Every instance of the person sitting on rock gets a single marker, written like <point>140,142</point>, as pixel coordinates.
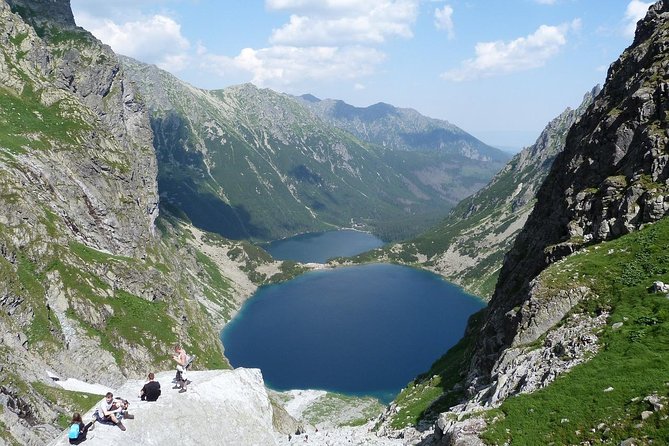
<point>107,411</point>
<point>181,358</point>
<point>78,431</point>
<point>151,390</point>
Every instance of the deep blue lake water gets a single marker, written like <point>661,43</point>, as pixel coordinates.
<point>321,246</point>
<point>362,330</point>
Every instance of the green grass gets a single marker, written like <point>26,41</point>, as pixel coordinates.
<point>140,322</point>
<point>633,359</point>
<point>25,122</point>
<point>67,402</point>
<point>91,255</point>
<point>213,274</point>
<point>43,324</point>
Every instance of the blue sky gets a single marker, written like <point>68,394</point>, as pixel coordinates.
<point>498,69</point>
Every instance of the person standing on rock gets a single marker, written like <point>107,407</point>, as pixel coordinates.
<point>181,358</point>
<point>151,390</point>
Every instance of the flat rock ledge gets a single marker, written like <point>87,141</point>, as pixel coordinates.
<point>228,407</point>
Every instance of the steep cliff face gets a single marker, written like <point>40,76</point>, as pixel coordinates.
<point>611,179</point>
<point>94,165</point>
<point>93,284</point>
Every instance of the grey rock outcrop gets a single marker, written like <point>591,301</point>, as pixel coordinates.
<point>220,407</point>
<point>45,12</point>
<point>611,179</point>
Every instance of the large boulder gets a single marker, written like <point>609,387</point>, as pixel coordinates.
<point>229,407</point>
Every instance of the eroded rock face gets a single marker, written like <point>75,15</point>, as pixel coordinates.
<point>611,179</point>
<point>98,172</point>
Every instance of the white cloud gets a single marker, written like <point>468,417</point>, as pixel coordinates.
<point>324,40</point>
<point>338,22</point>
<point>156,39</point>
<point>443,19</point>
<point>636,10</point>
<point>546,2</point>
<point>285,65</point>
<point>524,53</point>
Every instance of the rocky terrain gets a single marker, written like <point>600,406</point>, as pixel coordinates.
<point>101,276</point>
<point>95,283</point>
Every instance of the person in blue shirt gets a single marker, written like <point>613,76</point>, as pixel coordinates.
<point>78,431</point>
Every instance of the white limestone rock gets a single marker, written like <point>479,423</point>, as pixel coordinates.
<point>229,407</point>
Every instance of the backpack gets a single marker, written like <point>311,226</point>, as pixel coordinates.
<point>74,431</point>
<point>189,360</point>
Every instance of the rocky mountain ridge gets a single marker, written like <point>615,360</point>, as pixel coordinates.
<point>468,247</point>
<point>402,129</point>
<point>611,179</point>
<point>266,166</point>
<point>95,283</point>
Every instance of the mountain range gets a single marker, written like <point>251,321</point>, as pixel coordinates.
<point>119,184</point>
<point>246,162</point>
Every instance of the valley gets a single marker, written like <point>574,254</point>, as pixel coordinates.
<point>138,211</point>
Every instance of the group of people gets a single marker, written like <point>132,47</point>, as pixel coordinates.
<point>113,411</point>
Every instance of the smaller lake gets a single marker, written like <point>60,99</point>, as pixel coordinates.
<point>363,330</point>
<point>321,246</point>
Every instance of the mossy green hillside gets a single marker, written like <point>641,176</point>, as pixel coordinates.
<point>601,401</point>
<point>67,402</point>
<point>25,122</point>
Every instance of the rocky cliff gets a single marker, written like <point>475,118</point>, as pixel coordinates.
<point>94,284</point>
<point>611,179</point>
<point>577,293</point>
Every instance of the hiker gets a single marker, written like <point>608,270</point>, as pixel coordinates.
<point>78,431</point>
<point>151,390</point>
<point>107,412</point>
<point>181,358</point>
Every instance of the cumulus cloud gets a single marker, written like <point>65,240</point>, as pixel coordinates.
<point>636,10</point>
<point>443,19</point>
<point>523,53</point>
<point>324,40</point>
<point>340,22</point>
<point>156,39</point>
<point>285,65</point>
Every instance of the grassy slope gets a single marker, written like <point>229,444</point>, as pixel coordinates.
<point>633,360</point>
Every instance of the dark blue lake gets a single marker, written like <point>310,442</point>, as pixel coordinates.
<point>321,246</point>
<point>363,330</point>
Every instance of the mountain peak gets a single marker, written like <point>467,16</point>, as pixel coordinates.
<point>310,98</point>
<point>41,12</point>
